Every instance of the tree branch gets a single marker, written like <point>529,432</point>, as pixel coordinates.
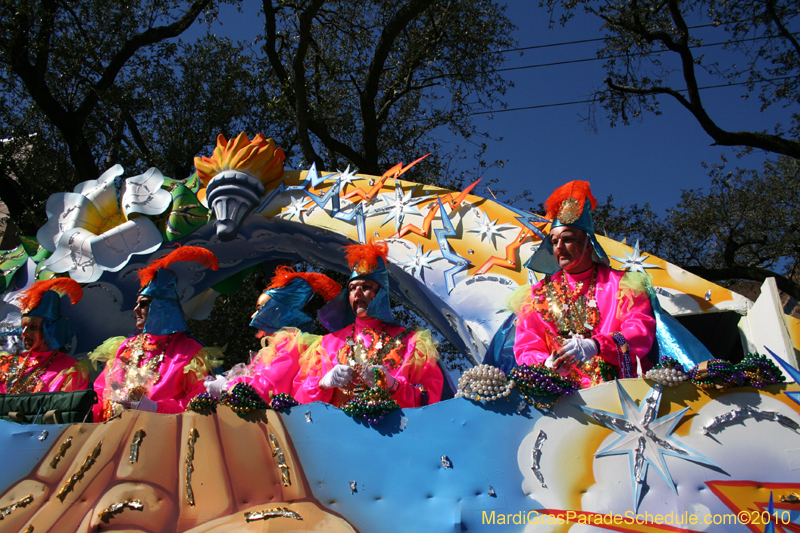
<point>747,273</point>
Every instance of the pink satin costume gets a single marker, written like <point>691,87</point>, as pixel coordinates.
<point>62,374</point>
<point>412,364</point>
<point>624,311</point>
<point>180,374</point>
<point>277,365</point>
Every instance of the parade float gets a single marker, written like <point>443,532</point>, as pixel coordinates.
<point>656,453</point>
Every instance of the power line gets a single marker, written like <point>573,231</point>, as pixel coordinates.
<point>559,104</point>
<point>565,43</point>
<point>568,62</point>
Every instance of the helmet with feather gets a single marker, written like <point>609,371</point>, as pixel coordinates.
<point>570,205</point>
<point>161,284</point>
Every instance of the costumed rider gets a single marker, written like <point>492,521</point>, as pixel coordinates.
<point>161,368</point>
<point>366,349</point>
<point>283,327</point>
<point>43,366</point>
<point>585,320</point>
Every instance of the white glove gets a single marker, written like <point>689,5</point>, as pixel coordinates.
<point>369,376</point>
<point>580,349</point>
<point>145,404</point>
<point>339,376</point>
<point>215,385</point>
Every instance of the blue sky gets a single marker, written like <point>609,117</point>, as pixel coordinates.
<point>648,161</point>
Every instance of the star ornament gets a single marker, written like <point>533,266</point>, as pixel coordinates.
<point>490,228</point>
<point>644,438</point>
<point>418,262</point>
<point>296,209</point>
<point>399,206</point>
<point>635,262</point>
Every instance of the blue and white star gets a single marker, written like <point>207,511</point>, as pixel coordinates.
<point>399,205</point>
<point>644,438</point>
<point>296,209</point>
<point>418,262</point>
<point>635,262</point>
<point>490,228</point>
<point>347,177</point>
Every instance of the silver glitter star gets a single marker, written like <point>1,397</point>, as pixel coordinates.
<point>635,262</point>
<point>418,262</point>
<point>490,228</point>
<point>347,177</point>
<point>644,438</point>
<point>296,209</point>
<point>398,206</point>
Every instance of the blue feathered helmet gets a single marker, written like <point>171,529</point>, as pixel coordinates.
<point>43,300</point>
<point>289,292</point>
<point>161,284</point>
<point>570,205</point>
<point>367,261</point>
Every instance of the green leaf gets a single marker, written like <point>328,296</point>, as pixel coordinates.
<point>186,215</point>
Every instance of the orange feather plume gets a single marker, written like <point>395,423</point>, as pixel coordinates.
<point>363,258</point>
<point>183,253</point>
<point>32,297</point>
<point>580,190</point>
<point>320,283</point>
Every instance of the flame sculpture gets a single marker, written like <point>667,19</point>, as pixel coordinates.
<point>235,176</point>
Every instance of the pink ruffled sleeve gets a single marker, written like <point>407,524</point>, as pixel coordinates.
<point>419,370</point>
<point>530,344</point>
<point>314,363</point>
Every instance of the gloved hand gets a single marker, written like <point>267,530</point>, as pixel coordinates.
<point>368,376</point>
<point>215,385</point>
<point>145,404</point>
<point>579,349</point>
<point>339,376</point>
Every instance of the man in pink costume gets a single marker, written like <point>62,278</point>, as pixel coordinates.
<point>44,367</point>
<point>282,326</point>
<point>161,368</point>
<point>366,350</point>
<point>585,320</point>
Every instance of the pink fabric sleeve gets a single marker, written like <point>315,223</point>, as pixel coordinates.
<point>305,388</point>
<point>637,325</point>
<point>530,345</point>
<point>278,375</point>
<point>418,368</point>
<point>99,388</point>
<point>64,374</point>
<point>182,375</point>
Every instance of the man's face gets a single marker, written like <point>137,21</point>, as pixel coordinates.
<point>261,302</point>
<point>32,334</point>
<point>572,249</point>
<point>362,292</point>
<point>141,310</point>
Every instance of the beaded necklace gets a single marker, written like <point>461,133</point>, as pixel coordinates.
<point>136,373</point>
<point>16,379</point>
<point>568,309</point>
<point>384,349</point>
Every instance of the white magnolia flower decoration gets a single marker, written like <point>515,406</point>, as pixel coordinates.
<point>95,227</point>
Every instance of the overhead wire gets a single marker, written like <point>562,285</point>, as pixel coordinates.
<point>559,104</point>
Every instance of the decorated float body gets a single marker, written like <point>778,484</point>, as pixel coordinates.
<point>628,455</point>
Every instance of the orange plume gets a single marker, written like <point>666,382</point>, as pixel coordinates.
<point>320,283</point>
<point>183,253</point>
<point>363,258</point>
<point>579,190</point>
<point>32,297</point>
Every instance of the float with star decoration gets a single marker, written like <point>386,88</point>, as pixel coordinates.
<point>630,449</point>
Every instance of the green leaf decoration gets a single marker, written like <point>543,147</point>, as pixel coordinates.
<point>231,285</point>
<point>193,183</point>
<point>34,249</point>
<point>10,262</point>
<point>186,215</point>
